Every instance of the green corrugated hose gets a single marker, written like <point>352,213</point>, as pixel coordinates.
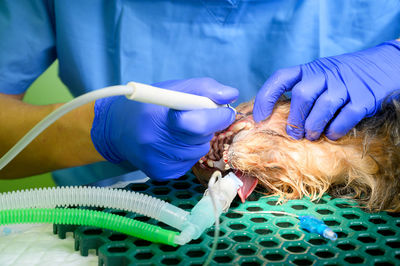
<point>90,218</point>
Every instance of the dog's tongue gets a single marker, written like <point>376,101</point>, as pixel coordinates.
<point>249,184</point>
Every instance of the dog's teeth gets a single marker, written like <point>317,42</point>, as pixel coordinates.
<point>210,163</point>
<point>215,146</point>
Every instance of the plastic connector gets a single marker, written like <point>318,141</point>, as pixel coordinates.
<point>314,225</point>
<point>202,215</point>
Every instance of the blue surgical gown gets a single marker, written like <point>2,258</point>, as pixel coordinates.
<point>237,42</point>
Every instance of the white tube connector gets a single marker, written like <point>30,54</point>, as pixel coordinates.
<point>172,99</point>
<point>203,215</point>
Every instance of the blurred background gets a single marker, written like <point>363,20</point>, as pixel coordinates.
<point>47,89</point>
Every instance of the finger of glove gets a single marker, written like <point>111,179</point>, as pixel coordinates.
<point>304,94</point>
<point>349,117</point>
<point>323,111</point>
<point>326,106</point>
<point>281,81</point>
<point>208,87</point>
<point>198,124</point>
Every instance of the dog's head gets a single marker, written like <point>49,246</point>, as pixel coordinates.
<point>362,165</point>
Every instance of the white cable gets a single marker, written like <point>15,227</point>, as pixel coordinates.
<point>267,212</point>
<point>56,114</point>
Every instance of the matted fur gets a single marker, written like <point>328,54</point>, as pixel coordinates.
<point>363,165</point>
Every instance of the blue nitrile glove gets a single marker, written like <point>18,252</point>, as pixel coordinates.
<point>162,142</point>
<point>333,94</point>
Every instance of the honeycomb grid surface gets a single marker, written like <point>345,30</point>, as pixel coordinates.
<point>251,238</point>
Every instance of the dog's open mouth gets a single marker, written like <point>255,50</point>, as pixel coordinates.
<point>219,156</point>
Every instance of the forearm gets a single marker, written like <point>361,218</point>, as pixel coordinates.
<point>66,143</point>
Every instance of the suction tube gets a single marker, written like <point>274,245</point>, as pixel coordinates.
<point>89,218</point>
<point>96,197</point>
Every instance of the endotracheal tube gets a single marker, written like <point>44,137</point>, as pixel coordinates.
<point>216,200</point>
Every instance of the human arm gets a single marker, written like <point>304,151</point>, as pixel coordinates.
<point>27,48</point>
<point>67,143</point>
<point>333,94</point>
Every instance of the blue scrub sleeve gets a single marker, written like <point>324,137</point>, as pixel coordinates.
<point>27,46</point>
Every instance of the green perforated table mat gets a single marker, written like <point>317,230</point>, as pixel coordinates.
<point>252,238</point>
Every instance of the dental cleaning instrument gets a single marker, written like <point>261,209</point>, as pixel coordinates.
<point>133,91</point>
<point>172,99</point>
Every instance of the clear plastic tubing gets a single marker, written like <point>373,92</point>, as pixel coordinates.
<point>96,197</point>
<point>89,218</point>
<point>52,117</point>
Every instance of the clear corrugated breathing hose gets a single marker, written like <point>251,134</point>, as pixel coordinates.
<point>96,197</point>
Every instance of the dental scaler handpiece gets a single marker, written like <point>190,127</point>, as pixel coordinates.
<point>172,99</point>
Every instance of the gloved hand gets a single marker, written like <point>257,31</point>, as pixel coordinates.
<point>163,143</point>
<point>333,94</point>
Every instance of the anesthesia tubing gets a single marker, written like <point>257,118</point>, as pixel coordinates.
<point>96,197</point>
<point>89,218</point>
<point>23,206</point>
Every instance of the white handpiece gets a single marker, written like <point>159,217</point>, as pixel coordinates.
<point>172,99</point>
